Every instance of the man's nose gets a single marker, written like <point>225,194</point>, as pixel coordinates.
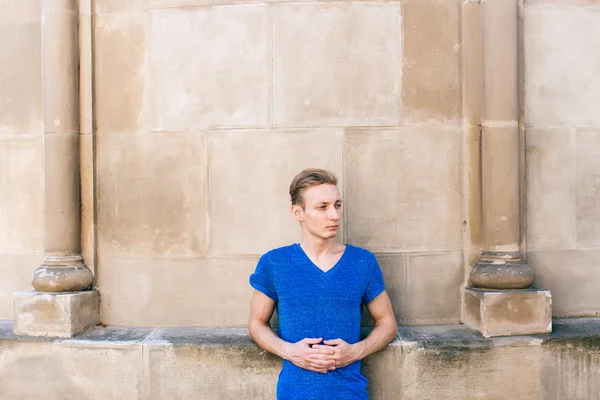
<point>334,214</point>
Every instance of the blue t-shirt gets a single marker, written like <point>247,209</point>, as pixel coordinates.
<point>312,304</point>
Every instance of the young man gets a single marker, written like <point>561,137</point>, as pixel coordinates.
<point>319,287</point>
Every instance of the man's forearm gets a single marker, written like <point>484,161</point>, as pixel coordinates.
<point>264,336</point>
<point>380,336</point>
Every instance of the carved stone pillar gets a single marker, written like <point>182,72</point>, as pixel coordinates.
<point>63,303</point>
<point>500,301</point>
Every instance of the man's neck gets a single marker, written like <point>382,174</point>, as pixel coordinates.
<point>317,247</point>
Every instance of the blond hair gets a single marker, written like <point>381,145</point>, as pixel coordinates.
<point>308,178</point>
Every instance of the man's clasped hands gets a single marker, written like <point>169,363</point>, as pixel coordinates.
<point>318,355</point>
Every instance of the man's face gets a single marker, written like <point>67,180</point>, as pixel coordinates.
<point>322,211</point>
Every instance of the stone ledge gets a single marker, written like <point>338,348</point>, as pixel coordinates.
<point>432,362</point>
<point>567,331</point>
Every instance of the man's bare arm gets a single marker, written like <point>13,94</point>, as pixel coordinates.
<point>384,332</point>
<point>300,353</point>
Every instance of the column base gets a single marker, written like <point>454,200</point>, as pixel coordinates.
<point>507,312</point>
<point>55,314</point>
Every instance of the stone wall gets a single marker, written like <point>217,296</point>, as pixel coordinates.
<point>204,113</point>
<point>563,150</point>
<point>21,150</point>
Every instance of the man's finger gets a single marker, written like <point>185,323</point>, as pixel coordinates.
<point>312,340</point>
<point>322,346</point>
<point>334,342</point>
<point>322,350</point>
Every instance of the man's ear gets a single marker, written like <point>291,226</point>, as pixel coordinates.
<point>297,212</point>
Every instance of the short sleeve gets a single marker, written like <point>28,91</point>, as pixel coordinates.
<point>262,278</point>
<point>375,283</point>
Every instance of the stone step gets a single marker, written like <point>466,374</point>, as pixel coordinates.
<point>424,362</point>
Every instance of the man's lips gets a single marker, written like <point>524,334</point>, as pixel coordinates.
<point>333,226</point>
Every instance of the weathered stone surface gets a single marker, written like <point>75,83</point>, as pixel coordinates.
<point>200,82</point>
<point>125,287</point>
<point>551,187</point>
<point>20,71</point>
<point>201,364</point>
<point>205,292</point>
<point>424,362</point>
<point>21,195</point>
<point>397,179</point>
<point>114,6</point>
<point>431,79</point>
<point>393,267</point>
<point>432,288</point>
<point>16,12</point>
<point>16,271</point>
<point>337,63</point>
<point>58,315</point>
<point>573,278</point>
<point>508,312</point>
<point>70,370</point>
<point>250,174</point>
<point>561,65</point>
<point>588,188</point>
<point>120,72</point>
<point>152,195</point>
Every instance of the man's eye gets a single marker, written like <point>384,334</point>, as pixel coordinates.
<point>338,206</point>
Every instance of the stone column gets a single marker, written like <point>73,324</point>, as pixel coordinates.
<point>63,303</point>
<point>500,301</point>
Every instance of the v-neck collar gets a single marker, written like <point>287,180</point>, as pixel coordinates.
<point>307,259</point>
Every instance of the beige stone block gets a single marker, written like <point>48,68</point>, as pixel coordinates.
<point>588,188</point>
<point>404,189</point>
<point>120,74</point>
<point>208,364</point>
<point>125,288</point>
<point>337,64</point>
<point>393,267</point>
<point>206,292</point>
<point>573,278</point>
<point>115,6</point>
<point>60,59</point>
<point>218,75</point>
<point>551,187</point>
<point>88,217</point>
<point>572,3</point>
<point>21,195</point>
<point>36,370</point>
<point>508,312</point>
<point>20,77</point>
<point>431,82</point>
<point>561,66</point>
<point>152,195</point>
<point>250,174</point>
<point>17,272</point>
<point>462,373</point>
<point>18,12</point>
<point>55,314</point>
<point>433,288</point>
